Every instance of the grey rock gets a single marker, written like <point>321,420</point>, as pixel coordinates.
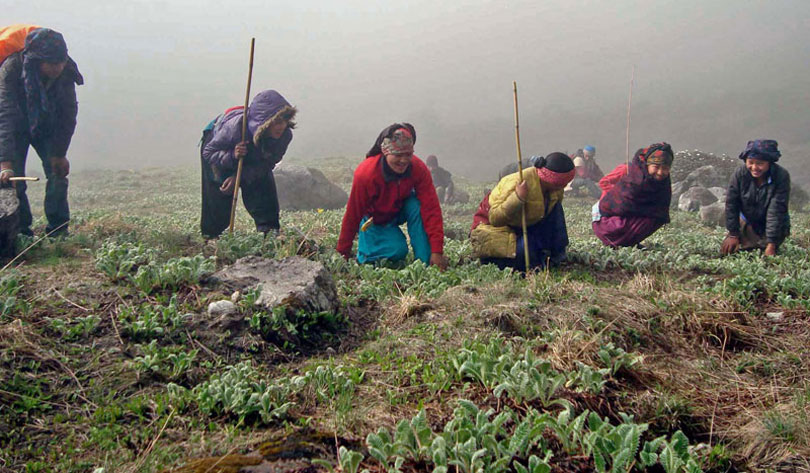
<point>221,308</point>
<point>714,214</point>
<point>706,176</point>
<point>303,188</point>
<point>719,192</point>
<point>294,282</point>
<point>694,198</point>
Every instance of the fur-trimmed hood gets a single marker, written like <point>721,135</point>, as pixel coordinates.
<point>266,107</point>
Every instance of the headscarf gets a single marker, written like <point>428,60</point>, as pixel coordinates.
<point>638,194</point>
<point>42,45</point>
<point>388,132</point>
<point>399,143</point>
<point>765,150</point>
<point>556,169</point>
<point>589,149</point>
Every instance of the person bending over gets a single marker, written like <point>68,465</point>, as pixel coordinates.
<point>269,132</point>
<point>392,186</point>
<point>497,236</point>
<point>757,201</point>
<point>38,108</point>
<point>635,199</point>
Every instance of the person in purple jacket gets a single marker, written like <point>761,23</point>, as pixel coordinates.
<point>269,131</point>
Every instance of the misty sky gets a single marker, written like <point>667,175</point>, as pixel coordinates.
<point>709,74</point>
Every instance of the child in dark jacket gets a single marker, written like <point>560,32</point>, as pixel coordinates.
<point>391,187</point>
<point>269,133</point>
<point>757,201</point>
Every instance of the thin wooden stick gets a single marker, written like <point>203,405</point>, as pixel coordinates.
<point>23,178</point>
<point>520,179</point>
<point>629,102</point>
<point>244,135</point>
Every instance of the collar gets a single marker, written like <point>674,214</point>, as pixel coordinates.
<point>389,175</point>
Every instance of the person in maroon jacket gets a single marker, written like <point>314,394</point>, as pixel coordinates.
<point>391,187</point>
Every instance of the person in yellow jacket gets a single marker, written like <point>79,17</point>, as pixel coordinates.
<point>496,235</point>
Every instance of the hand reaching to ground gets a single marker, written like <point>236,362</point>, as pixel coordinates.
<point>438,260</point>
<point>730,245</point>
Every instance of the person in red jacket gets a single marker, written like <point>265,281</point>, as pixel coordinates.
<point>391,187</point>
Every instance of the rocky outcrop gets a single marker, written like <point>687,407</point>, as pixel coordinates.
<point>714,214</point>
<point>695,198</point>
<point>294,282</point>
<point>303,188</point>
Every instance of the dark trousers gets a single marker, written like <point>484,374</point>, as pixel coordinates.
<point>57,210</point>
<point>548,240</point>
<point>259,196</point>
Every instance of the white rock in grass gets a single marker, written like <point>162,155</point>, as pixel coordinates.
<point>220,308</point>
<point>775,316</point>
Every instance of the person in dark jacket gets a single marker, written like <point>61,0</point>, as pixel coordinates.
<point>442,180</point>
<point>391,187</point>
<point>269,131</point>
<point>38,108</point>
<point>757,201</point>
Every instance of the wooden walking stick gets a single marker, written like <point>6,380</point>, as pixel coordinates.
<point>520,178</point>
<point>244,137</point>
<point>629,102</point>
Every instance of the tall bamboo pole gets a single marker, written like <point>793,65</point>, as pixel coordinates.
<point>520,178</point>
<point>244,137</point>
<point>629,103</point>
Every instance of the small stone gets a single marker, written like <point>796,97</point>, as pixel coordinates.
<point>236,296</point>
<point>775,316</point>
<point>220,308</point>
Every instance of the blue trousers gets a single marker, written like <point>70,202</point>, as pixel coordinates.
<point>388,242</point>
<point>548,240</point>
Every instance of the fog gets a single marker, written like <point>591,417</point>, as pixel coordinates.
<point>709,75</point>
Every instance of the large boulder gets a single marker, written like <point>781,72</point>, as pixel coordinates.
<point>303,188</point>
<point>719,192</point>
<point>695,198</point>
<point>714,214</point>
<point>707,176</point>
<point>294,282</point>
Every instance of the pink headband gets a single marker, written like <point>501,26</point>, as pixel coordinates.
<point>556,179</point>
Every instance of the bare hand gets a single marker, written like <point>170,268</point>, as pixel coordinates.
<point>6,174</point>
<point>522,191</point>
<point>240,151</point>
<point>60,166</point>
<point>227,185</point>
<point>438,260</point>
<point>770,249</point>
<point>730,245</point>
